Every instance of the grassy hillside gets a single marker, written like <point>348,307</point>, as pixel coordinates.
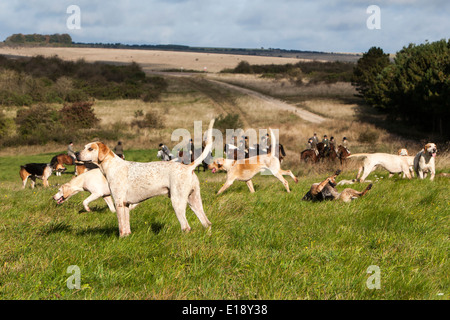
<point>266,245</point>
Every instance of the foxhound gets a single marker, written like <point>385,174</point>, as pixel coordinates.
<point>424,161</point>
<point>246,169</point>
<point>133,182</point>
<point>391,162</point>
<point>35,170</point>
<point>326,190</point>
<point>93,181</point>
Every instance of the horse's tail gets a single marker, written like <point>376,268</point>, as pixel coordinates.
<point>282,150</point>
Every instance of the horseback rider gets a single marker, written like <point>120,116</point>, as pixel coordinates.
<point>315,141</point>
<point>345,143</point>
<point>71,152</point>
<point>118,149</point>
<point>190,147</point>
<point>309,145</point>
<point>264,144</point>
<point>244,145</point>
<point>326,145</point>
<point>166,155</point>
<point>333,144</point>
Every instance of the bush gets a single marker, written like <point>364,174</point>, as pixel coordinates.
<point>152,119</point>
<point>39,125</point>
<point>369,136</point>
<point>329,72</point>
<point>78,115</point>
<point>230,121</point>
<point>48,80</point>
<point>3,124</point>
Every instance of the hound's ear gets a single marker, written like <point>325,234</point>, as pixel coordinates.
<point>66,191</point>
<point>103,151</point>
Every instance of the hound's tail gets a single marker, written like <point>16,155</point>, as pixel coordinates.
<point>273,143</point>
<point>358,155</point>
<point>207,149</point>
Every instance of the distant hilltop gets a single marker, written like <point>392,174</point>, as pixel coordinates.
<point>65,40</point>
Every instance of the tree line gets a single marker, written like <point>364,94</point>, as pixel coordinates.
<point>414,88</point>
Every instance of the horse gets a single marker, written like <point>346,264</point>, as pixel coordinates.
<point>342,153</point>
<point>326,152</point>
<point>58,162</point>
<point>331,154</point>
<point>309,155</point>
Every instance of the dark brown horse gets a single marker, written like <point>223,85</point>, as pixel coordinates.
<point>326,152</point>
<point>331,154</point>
<point>309,155</point>
<point>342,154</point>
<point>58,162</point>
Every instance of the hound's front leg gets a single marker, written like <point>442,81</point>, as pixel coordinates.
<point>123,217</point>
<point>89,199</point>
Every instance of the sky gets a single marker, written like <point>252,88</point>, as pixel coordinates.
<point>310,25</point>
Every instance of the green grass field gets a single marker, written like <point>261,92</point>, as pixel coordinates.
<point>266,245</point>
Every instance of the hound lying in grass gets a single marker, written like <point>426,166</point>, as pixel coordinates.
<point>326,190</point>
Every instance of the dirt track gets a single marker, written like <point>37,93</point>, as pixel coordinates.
<point>275,103</point>
<point>229,106</point>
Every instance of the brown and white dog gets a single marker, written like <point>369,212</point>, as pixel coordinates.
<point>81,167</point>
<point>133,182</point>
<point>246,169</point>
<point>326,190</point>
<point>424,161</point>
<point>35,170</point>
<point>92,181</point>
